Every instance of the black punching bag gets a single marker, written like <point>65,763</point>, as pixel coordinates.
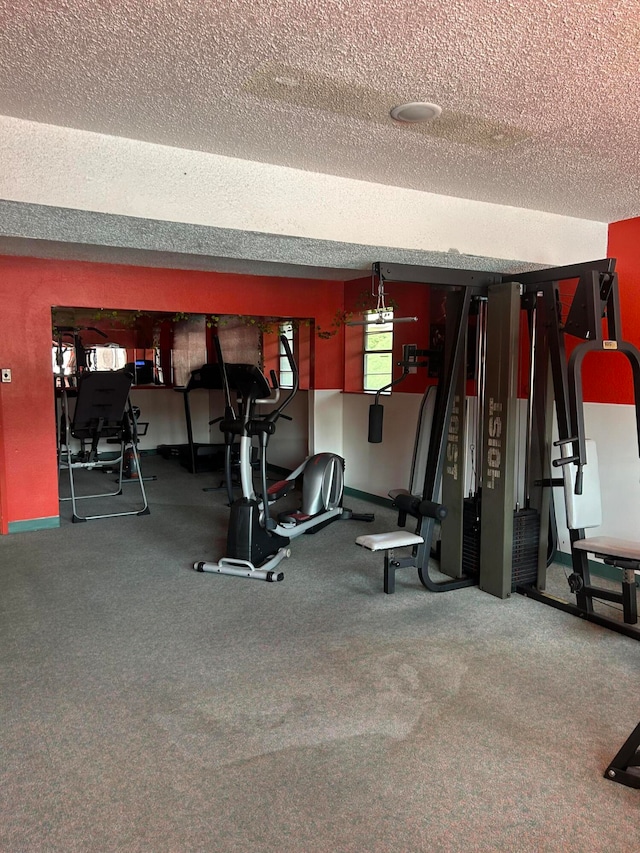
<point>376,412</point>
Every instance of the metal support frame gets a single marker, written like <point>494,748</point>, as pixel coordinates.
<point>453,473</point>
<point>625,767</point>
<point>499,437</point>
<point>103,410</point>
<point>595,298</point>
<point>460,286</point>
<point>555,380</point>
<point>540,478</point>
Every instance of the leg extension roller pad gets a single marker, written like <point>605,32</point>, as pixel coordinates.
<point>387,542</point>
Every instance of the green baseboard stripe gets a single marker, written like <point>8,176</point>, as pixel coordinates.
<point>30,524</point>
<point>365,496</point>
<point>354,493</point>
<point>601,570</point>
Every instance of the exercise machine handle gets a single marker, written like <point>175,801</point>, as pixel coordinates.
<point>376,409</point>
<point>567,460</point>
<point>275,414</point>
<point>274,396</point>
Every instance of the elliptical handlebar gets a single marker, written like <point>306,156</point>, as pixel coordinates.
<point>275,414</point>
<point>274,396</point>
<point>229,412</point>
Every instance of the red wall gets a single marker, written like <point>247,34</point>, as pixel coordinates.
<point>409,300</point>
<point>612,382</point>
<point>30,287</point>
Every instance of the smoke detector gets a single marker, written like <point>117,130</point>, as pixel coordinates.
<point>415,112</point>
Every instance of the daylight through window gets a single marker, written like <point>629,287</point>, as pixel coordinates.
<point>378,352</point>
<point>286,374</point>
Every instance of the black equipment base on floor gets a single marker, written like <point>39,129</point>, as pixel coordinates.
<point>530,591</point>
<point>196,458</point>
<point>625,767</point>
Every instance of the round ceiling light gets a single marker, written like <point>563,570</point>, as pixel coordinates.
<point>416,111</point>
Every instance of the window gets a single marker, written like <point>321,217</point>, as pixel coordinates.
<point>99,357</point>
<point>378,351</point>
<point>67,353</point>
<point>286,374</point>
<point>109,357</point>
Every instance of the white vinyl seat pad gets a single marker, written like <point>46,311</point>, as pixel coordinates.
<point>385,541</point>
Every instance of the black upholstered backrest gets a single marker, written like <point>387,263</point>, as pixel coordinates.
<point>100,403</point>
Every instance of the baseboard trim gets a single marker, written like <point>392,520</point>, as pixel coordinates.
<point>365,496</point>
<point>601,570</point>
<point>30,524</point>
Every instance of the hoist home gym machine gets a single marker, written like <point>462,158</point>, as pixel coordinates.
<point>497,535</point>
<point>496,549</point>
<point>494,306</point>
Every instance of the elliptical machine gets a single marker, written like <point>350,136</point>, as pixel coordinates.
<point>257,542</point>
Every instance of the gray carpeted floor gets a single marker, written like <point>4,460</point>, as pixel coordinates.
<point>146,707</point>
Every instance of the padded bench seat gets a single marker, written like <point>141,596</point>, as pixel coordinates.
<point>608,546</point>
<point>387,542</point>
<point>584,510</point>
<point>625,555</point>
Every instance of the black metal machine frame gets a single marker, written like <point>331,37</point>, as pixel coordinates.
<point>625,767</point>
<point>595,308</point>
<point>555,381</point>
<point>102,411</point>
<point>460,286</point>
<point>197,457</point>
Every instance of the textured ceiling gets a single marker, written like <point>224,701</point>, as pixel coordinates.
<point>540,98</point>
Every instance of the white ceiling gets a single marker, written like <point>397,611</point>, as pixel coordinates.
<point>540,98</point>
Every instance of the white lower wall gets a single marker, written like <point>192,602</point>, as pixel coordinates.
<point>377,468</point>
<point>321,421</point>
<point>337,422</point>
<point>288,446</point>
<point>326,428</point>
<point>163,410</point>
<point>613,428</point>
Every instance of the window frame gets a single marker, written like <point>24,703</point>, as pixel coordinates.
<point>372,327</point>
<point>287,329</point>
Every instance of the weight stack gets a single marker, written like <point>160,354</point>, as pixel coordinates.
<point>471,537</point>
<point>526,538</point>
<point>526,534</point>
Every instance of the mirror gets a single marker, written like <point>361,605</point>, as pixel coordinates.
<point>86,340</point>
